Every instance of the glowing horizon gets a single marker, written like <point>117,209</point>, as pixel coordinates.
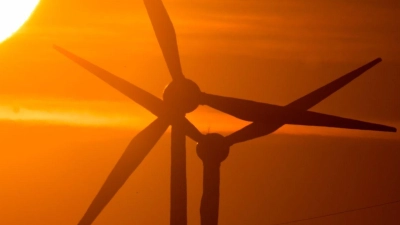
<point>124,115</point>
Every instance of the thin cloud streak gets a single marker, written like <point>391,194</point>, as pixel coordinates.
<point>122,115</point>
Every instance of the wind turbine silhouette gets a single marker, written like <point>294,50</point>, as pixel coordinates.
<point>182,96</point>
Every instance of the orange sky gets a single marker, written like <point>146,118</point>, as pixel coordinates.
<point>269,51</point>
<point>254,50</point>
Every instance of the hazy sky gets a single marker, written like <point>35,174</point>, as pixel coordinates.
<point>63,129</point>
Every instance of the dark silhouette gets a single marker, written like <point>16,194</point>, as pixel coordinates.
<point>212,151</point>
<point>183,96</point>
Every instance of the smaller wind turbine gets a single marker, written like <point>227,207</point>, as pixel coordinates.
<point>183,96</point>
<point>214,148</point>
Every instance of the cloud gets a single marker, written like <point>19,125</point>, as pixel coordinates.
<point>123,115</point>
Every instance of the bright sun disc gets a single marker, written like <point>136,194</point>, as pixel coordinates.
<point>13,14</point>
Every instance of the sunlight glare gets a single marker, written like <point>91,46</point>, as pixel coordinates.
<point>13,14</point>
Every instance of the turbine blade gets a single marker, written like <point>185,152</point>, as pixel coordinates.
<point>308,118</point>
<point>166,36</point>
<point>141,97</point>
<point>134,154</point>
<point>265,113</point>
<point>242,109</point>
<point>313,98</point>
<point>252,131</point>
<point>268,118</point>
<point>190,130</point>
<point>247,110</point>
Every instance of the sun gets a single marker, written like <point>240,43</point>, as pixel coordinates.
<point>13,14</point>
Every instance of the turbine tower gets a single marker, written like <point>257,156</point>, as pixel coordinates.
<point>182,96</point>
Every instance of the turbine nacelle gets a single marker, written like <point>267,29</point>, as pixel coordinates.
<point>213,149</point>
<point>182,95</point>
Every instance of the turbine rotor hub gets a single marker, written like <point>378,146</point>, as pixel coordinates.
<point>182,95</point>
<point>213,148</point>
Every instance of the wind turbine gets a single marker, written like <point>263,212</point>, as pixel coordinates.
<point>182,96</point>
<point>266,118</point>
